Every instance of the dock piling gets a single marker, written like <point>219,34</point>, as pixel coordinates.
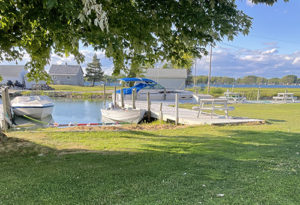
<point>115,97</point>
<point>176,109</point>
<point>160,113</point>
<point>148,106</point>
<point>122,98</point>
<point>104,91</point>
<point>133,98</point>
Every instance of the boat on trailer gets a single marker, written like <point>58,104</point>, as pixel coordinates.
<point>38,107</point>
<point>157,91</point>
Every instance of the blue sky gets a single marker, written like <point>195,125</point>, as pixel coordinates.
<point>272,48</point>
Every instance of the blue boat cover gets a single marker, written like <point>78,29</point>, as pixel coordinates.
<point>138,87</point>
<point>146,80</point>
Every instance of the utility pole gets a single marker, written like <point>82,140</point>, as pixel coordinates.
<point>209,73</point>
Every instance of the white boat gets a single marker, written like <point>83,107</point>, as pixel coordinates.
<point>33,106</point>
<point>157,91</point>
<point>122,115</point>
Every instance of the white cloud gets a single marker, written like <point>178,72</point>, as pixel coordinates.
<point>296,61</point>
<point>271,51</point>
<point>233,62</point>
<point>240,62</point>
<point>249,3</point>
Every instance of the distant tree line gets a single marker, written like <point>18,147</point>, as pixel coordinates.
<point>249,80</point>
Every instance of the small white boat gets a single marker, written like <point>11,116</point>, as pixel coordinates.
<point>33,106</point>
<point>129,115</point>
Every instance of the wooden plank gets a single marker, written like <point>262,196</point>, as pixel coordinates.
<point>187,116</point>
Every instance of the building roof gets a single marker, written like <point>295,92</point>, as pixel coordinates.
<point>11,70</point>
<point>154,73</point>
<point>65,69</point>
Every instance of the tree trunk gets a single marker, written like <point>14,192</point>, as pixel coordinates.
<point>93,83</point>
<point>3,137</point>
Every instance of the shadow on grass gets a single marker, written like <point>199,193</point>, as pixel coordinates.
<point>275,120</point>
<point>246,166</point>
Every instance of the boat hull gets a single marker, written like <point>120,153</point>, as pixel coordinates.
<point>159,95</point>
<point>122,115</point>
<point>35,112</point>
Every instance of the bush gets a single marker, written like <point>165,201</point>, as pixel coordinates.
<point>216,92</point>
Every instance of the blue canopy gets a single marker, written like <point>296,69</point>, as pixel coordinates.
<point>146,80</point>
<point>128,91</point>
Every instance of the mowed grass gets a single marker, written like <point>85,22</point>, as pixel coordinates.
<point>75,88</point>
<point>251,93</point>
<point>245,164</point>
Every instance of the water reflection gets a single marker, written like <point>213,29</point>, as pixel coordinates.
<point>67,111</point>
<point>77,111</point>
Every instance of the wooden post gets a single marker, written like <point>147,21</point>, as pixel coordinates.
<point>149,106</point>
<point>165,94</point>
<point>285,96</point>
<point>104,91</point>
<point>7,115</point>
<point>160,113</point>
<point>176,109</point>
<point>115,97</point>
<point>133,98</point>
<point>122,98</point>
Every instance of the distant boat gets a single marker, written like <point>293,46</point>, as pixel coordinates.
<point>157,91</point>
<point>127,115</point>
<point>37,107</point>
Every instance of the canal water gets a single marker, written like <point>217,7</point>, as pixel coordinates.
<point>73,111</point>
<point>77,111</point>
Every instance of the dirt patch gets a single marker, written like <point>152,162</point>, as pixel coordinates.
<point>123,128</point>
<point>21,146</point>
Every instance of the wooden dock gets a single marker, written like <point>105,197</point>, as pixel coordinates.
<point>187,116</point>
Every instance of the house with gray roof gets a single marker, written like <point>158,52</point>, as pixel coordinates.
<point>66,74</point>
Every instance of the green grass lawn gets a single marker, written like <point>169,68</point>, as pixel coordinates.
<point>249,164</point>
<point>251,93</point>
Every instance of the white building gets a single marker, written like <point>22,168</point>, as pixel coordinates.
<point>169,78</point>
<point>15,73</point>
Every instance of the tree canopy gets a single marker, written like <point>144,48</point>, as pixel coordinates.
<point>135,32</point>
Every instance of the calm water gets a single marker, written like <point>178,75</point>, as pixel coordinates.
<point>249,86</point>
<point>71,111</point>
<point>77,111</point>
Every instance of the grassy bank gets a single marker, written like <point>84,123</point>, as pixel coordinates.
<point>73,88</point>
<point>71,91</point>
<point>251,93</point>
<point>247,164</point>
